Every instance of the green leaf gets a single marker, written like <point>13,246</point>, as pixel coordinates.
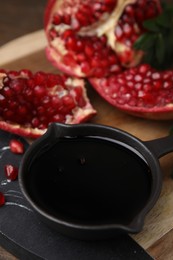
<point>160,49</point>
<point>157,42</point>
<point>168,9</point>
<point>145,41</point>
<point>170,39</point>
<point>163,20</point>
<point>151,25</point>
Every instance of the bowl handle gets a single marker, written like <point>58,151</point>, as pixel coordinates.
<point>160,146</point>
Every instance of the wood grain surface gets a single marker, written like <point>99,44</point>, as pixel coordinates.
<point>28,52</point>
<point>20,17</point>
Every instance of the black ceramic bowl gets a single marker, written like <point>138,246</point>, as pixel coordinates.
<point>92,181</point>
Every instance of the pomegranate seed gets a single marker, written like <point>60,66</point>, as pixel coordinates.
<point>67,19</point>
<point>85,66</point>
<point>130,10</point>
<point>68,102</point>
<point>2,199</point>
<point>71,44</point>
<point>26,73</point>
<point>13,74</point>
<point>82,19</point>
<point>35,122</point>
<point>95,62</point>
<point>67,34</point>
<point>127,29</point>
<point>8,92</point>
<point>109,2</point>
<point>167,84</point>
<point>89,50</point>
<point>69,58</point>
<point>156,75</point>
<point>9,115</point>
<point>81,57</point>
<point>96,7</point>
<point>2,100</point>
<point>147,87</point>
<point>11,172</point>
<point>56,19</point>
<point>138,78</point>
<point>22,111</point>
<point>16,146</point>
<point>99,72</point>
<point>75,24</point>
<point>144,68</point>
<point>39,91</point>
<point>79,46</point>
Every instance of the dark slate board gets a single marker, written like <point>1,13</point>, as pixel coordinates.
<point>22,233</point>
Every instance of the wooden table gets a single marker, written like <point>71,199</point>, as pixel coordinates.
<point>17,18</point>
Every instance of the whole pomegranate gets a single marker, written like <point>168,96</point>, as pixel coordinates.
<point>30,101</point>
<point>94,38</point>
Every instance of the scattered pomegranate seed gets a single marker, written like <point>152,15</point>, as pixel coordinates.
<point>11,172</point>
<point>2,199</point>
<point>16,146</point>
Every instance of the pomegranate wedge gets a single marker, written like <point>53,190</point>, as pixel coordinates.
<point>141,91</point>
<point>29,102</point>
<point>94,38</point>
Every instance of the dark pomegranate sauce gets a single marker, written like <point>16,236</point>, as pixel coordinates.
<point>90,180</point>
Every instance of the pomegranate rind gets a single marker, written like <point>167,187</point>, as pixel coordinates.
<point>48,11</point>
<point>155,113</point>
<point>20,130</point>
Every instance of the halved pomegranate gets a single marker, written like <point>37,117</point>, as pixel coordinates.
<point>141,91</point>
<point>29,102</point>
<point>94,38</point>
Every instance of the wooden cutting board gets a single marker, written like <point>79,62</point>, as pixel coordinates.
<point>156,236</point>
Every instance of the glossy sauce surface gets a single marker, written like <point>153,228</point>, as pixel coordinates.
<point>90,180</point>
